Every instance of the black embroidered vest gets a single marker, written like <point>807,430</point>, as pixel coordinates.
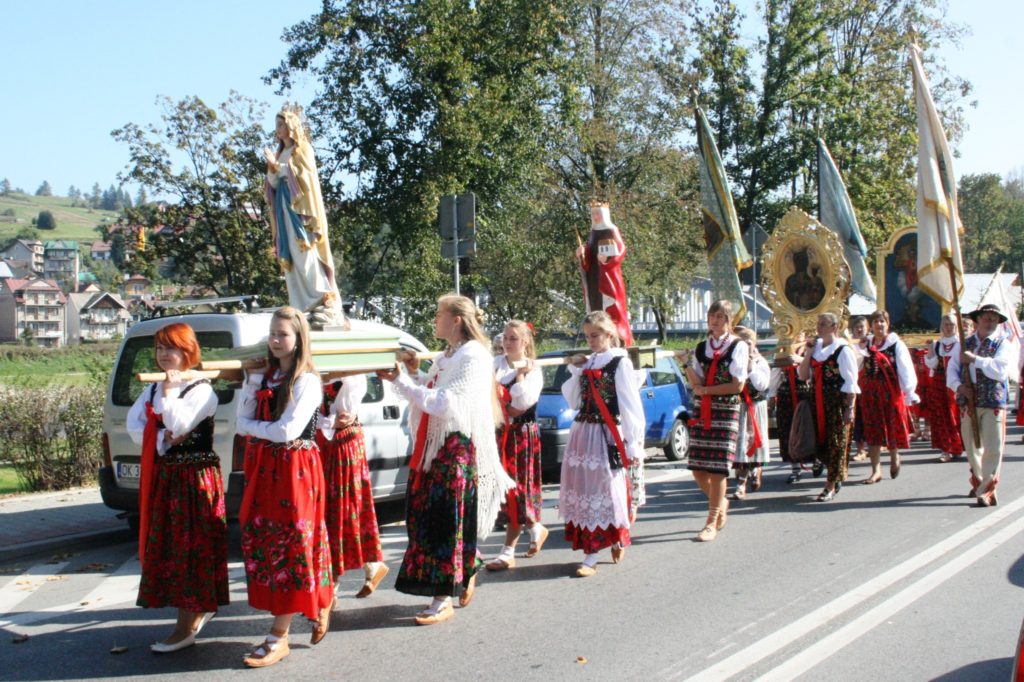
<point>589,411</point>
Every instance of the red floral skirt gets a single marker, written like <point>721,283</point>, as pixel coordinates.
<point>350,516</point>
<point>593,541</point>
<point>944,418</point>
<point>522,463</point>
<point>187,502</point>
<point>885,417</point>
<point>284,538</point>
<point>440,518</point>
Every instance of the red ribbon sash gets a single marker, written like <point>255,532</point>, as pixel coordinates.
<point>819,398</point>
<point>756,442</point>
<point>149,434</point>
<point>511,502</point>
<point>705,400</point>
<point>606,415</point>
<point>254,456</point>
<point>791,376</point>
<point>421,439</point>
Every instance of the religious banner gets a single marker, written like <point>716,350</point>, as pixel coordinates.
<point>835,211</point>
<point>939,264</point>
<point>726,253</point>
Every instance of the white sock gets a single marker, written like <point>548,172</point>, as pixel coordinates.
<point>590,560</point>
<point>507,552</point>
<point>268,646</point>
<point>370,568</point>
<point>438,604</point>
<point>535,530</point>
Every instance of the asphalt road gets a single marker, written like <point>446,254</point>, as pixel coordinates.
<point>904,580</point>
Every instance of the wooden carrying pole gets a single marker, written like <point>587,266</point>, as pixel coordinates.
<point>189,374</point>
<point>972,410</point>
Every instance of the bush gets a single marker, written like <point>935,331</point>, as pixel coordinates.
<point>51,435</point>
<point>46,221</point>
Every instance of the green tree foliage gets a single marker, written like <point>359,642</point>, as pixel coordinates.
<point>214,232</point>
<point>992,213</point>
<point>44,190</point>
<point>5,187</point>
<point>96,197</point>
<point>46,221</point>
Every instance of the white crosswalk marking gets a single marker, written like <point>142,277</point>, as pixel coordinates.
<point>23,586</point>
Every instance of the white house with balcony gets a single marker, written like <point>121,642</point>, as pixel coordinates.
<point>36,305</point>
<point>96,316</point>
<point>61,263</point>
<point>27,251</point>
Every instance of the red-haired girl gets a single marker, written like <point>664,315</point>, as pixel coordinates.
<point>181,496</point>
<point>284,538</point>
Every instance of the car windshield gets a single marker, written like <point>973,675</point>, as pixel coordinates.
<point>138,356</point>
<point>554,377</point>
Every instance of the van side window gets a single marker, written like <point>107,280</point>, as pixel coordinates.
<point>662,374</point>
<point>374,389</point>
<point>139,355</point>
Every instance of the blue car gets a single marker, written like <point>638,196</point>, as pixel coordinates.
<point>664,395</point>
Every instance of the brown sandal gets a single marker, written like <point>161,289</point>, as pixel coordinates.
<point>535,547</point>
<point>467,594</point>
<point>272,653</point>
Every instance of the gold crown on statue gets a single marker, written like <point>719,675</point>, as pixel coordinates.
<point>600,216</point>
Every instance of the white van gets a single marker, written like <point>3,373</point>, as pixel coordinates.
<point>384,414</point>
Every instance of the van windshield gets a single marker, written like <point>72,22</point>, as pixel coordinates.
<point>139,355</point>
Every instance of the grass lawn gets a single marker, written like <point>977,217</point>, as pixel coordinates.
<point>8,480</point>
<point>73,222</point>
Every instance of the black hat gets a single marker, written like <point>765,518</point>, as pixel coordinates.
<point>987,308</point>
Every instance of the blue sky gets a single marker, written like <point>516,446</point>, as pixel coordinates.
<point>75,71</point>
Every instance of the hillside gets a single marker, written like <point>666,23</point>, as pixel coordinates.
<point>73,222</point>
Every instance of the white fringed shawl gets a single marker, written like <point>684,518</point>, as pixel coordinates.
<point>467,381</point>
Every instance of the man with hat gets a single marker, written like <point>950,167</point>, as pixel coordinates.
<point>988,354</point>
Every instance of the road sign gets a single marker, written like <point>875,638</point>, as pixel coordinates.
<point>467,248</point>
<point>457,213</point>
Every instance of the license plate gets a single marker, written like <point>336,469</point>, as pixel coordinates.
<point>128,470</point>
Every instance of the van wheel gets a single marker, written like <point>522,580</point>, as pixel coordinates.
<point>678,441</point>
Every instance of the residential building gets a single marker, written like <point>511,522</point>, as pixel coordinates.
<point>35,305</point>
<point>28,251</point>
<point>61,263</point>
<point>95,316</point>
<point>137,286</point>
<point>100,250</point>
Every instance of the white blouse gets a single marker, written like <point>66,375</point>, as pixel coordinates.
<point>931,360</point>
<point>631,411</point>
<point>760,375</point>
<point>847,362</point>
<point>349,397</point>
<point>180,414</point>
<point>740,356</point>
<point>307,395</point>
<point>996,368</point>
<point>526,392</point>
<point>904,366</point>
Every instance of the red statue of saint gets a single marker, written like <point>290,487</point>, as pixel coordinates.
<point>601,260</point>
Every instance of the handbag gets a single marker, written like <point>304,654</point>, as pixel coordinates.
<point>803,439</point>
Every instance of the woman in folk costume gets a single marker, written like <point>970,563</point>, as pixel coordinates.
<point>717,372</point>
<point>606,435</point>
<point>456,482</point>
<point>752,443</point>
<point>299,221</point>
<point>831,367</point>
<point>785,390</point>
<point>284,539</point>
<point>181,493</point>
<point>350,516</point>
<point>918,413</point>
<point>859,330</point>
<point>988,354</point>
<point>887,386</point>
<point>519,442</point>
<point>944,414</point>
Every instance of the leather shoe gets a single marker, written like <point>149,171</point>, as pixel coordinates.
<point>161,648</point>
<point>426,618</point>
<point>618,552</point>
<point>535,547</point>
<point>270,657</point>
<point>584,571</point>
<point>371,583</point>
<point>467,594</point>
<point>501,564</point>
<point>203,621</point>
<point>322,624</point>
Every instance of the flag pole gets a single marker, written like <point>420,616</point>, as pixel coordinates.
<point>972,410</point>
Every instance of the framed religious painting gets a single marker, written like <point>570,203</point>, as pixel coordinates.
<point>803,275</point>
<point>910,308</point>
